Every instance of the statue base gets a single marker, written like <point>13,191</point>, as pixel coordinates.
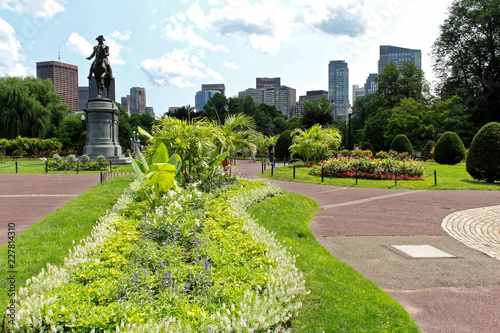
<point>102,131</point>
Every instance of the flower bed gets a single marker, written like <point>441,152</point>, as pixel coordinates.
<point>388,168</point>
<point>199,263</point>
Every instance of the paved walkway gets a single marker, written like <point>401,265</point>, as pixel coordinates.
<point>27,199</point>
<point>361,226</point>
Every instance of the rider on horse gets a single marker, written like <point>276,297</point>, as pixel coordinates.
<point>101,53</point>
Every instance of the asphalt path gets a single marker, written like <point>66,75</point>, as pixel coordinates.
<point>26,199</point>
<point>360,226</point>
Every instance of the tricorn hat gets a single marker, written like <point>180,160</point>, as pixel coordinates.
<point>100,37</point>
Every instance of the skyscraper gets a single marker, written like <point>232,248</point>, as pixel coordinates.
<point>64,77</point>
<point>282,97</point>
<point>266,82</point>
<point>137,100</point>
<point>83,97</point>
<point>357,91</point>
<point>202,98</point>
<point>398,55</point>
<point>338,88</point>
<point>219,87</point>
<point>370,84</point>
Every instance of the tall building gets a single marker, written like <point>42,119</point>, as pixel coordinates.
<point>137,100</point>
<point>219,87</point>
<point>398,55</point>
<point>125,102</point>
<point>83,97</point>
<point>313,95</point>
<point>370,84</point>
<point>93,89</point>
<point>357,91</point>
<point>201,98</point>
<point>338,88</point>
<point>282,97</point>
<point>266,82</point>
<point>64,77</point>
<point>150,110</point>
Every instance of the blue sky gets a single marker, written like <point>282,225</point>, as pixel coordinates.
<point>172,47</point>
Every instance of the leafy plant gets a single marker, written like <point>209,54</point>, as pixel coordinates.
<point>449,149</point>
<point>483,160</point>
<point>283,144</point>
<point>401,144</point>
<point>315,143</point>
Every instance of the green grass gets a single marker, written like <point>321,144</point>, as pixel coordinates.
<point>35,166</point>
<point>49,240</point>
<point>449,177</point>
<point>341,300</point>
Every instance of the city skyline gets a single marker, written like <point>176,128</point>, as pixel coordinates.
<point>170,49</point>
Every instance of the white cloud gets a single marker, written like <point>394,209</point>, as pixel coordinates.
<point>123,36</point>
<point>38,8</point>
<point>265,24</point>
<point>10,52</point>
<point>175,30</point>
<point>78,44</point>
<point>177,68</point>
<point>230,64</point>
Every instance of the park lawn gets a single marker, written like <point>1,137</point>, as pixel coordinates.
<point>49,240</point>
<point>449,177</point>
<point>341,300</point>
<point>35,166</point>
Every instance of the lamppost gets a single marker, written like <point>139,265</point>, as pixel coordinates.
<point>82,118</point>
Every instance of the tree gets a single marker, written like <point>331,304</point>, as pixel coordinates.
<point>217,108</point>
<point>467,57</point>
<point>483,162</point>
<point>317,112</point>
<point>315,143</point>
<point>449,149</point>
<point>411,118</point>
<point>394,85</point>
<point>283,144</point>
<point>401,144</point>
<point>29,108</point>
<point>70,130</point>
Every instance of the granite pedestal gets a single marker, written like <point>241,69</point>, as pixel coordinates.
<point>102,131</point>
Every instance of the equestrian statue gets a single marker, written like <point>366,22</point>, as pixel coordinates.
<point>100,67</point>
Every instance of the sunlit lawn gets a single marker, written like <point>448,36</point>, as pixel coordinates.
<point>449,177</point>
<point>35,166</point>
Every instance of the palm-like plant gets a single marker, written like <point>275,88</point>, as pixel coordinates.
<point>197,143</point>
<point>238,132</point>
<point>315,143</point>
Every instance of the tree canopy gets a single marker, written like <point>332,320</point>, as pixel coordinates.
<point>467,57</point>
<point>29,107</point>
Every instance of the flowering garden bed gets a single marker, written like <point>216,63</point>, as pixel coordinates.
<point>199,263</point>
<point>388,168</point>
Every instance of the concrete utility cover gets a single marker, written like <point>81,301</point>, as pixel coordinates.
<point>422,251</point>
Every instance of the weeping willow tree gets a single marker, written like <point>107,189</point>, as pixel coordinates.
<point>29,107</point>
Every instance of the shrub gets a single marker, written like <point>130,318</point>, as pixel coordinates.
<point>483,161</point>
<point>361,153</point>
<point>401,144</point>
<point>427,151</point>
<point>282,144</point>
<point>368,146</point>
<point>449,149</point>
<point>382,155</point>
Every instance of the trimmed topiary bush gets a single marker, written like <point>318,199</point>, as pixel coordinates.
<point>367,146</point>
<point>449,149</point>
<point>483,161</point>
<point>282,144</point>
<point>401,144</point>
<point>427,151</point>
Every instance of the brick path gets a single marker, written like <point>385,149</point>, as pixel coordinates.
<point>359,226</point>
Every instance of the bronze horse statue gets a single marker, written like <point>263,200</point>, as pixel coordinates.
<point>100,67</point>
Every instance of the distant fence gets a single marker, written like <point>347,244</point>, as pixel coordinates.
<point>106,175</point>
<point>396,175</point>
